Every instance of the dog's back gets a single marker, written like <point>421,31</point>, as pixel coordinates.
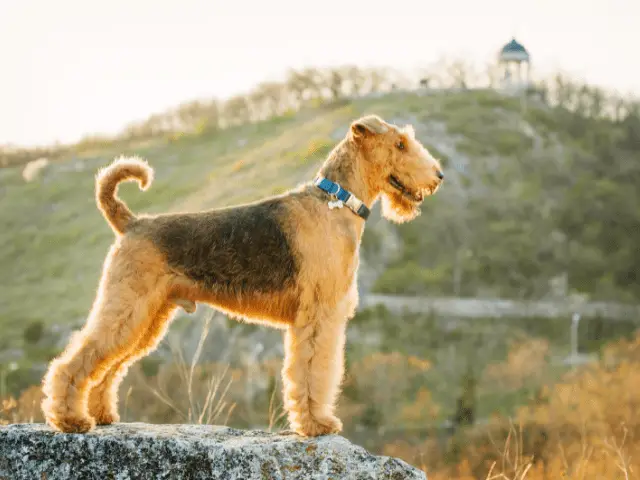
<point>238,250</point>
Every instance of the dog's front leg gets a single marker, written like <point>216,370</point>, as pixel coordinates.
<point>312,373</point>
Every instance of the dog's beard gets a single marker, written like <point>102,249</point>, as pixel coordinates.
<point>398,208</point>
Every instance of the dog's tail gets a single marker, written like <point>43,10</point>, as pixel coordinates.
<point>114,210</point>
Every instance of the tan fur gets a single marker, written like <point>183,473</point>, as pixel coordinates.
<point>140,288</point>
<point>107,180</point>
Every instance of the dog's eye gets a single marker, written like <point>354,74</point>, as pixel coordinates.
<point>400,145</point>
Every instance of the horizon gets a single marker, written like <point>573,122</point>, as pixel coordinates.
<point>75,70</point>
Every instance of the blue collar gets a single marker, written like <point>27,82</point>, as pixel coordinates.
<point>344,197</point>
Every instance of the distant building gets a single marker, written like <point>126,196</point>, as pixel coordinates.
<point>515,66</point>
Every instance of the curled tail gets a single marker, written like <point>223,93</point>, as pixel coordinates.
<point>114,210</point>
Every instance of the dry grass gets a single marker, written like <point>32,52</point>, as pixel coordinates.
<point>583,428</point>
<point>8,411</point>
<point>25,409</point>
<point>513,459</point>
<point>277,413</point>
<point>206,405</point>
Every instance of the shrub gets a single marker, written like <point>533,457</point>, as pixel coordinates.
<point>33,332</point>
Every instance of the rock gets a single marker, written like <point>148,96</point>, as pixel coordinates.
<point>33,169</point>
<point>140,451</point>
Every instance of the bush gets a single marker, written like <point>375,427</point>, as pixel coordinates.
<point>33,332</point>
<point>411,278</point>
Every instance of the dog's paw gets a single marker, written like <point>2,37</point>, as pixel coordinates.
<point>103,413</point>
<point>318,426</point>
<point>107,418</point>
<point>72,424</point>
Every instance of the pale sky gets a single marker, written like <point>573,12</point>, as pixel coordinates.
<point>73,67</point>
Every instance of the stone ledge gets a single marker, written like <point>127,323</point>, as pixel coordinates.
<point>141,451</point>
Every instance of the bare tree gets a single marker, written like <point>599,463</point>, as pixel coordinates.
<point>314,82</point>
<point>564,91</point>
<point>190,114</point>
<point>256,99</point>
<point>301,86</point>
<point>597,103</point>
<point>335,82</point>
<point>492,75</point>
<point>211,118</point>
<point>235,111</point>
<point>274,98</point>
<point>378,80</point>
<point>356,79</point>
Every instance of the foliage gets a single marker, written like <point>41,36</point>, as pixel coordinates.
<point>531,195</point>
<point>33,332</point>
<point>584,427</point>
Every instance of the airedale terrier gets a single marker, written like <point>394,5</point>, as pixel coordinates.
<point>288,261</point>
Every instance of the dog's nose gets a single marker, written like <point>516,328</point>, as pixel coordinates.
<point>440,175</point>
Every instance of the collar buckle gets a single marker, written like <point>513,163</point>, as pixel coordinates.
<point>343,197</point>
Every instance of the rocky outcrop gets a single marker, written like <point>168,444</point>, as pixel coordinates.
<point>142,451</point>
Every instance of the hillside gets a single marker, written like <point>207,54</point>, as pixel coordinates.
<point>526,201</point>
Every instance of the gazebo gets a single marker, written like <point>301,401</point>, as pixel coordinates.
<point>515,66</point>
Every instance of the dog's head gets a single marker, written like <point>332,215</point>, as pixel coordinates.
<point>397,166</point>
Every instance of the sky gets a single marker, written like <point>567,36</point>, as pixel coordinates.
<point>74,67</point>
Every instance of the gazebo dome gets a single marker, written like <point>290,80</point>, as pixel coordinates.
<point>514,51</point>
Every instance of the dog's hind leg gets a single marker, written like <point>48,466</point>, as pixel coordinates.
<point>133,291</point>
<point>313,370</point>
<point>103,396</point>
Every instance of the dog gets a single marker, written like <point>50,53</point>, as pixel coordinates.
<point>288,261</point>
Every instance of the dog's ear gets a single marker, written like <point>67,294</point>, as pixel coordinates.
<point>369,125</point>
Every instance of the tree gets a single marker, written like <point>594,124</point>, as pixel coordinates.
<point>493,75</point>
<point>378,80</point>
<point>236,111</point>
<point>355,78</point>
<point>189,114</point>
<point>303,85</point>
<point>335,81</point>
<point>466,403</point>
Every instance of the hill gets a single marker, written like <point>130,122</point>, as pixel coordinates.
<point>534,195</point>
